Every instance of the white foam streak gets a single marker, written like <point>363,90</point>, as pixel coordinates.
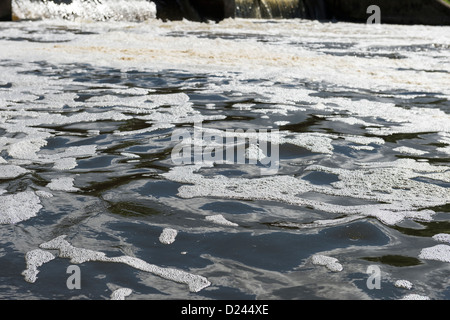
<point>80,255</point>
<point>11,171</point>
<point>405,284</point>
<point>414,296</point>
<point>384,183</point>
<point>220,219</point>
<point>62,184</point>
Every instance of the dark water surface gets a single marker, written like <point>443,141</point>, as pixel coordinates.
<point>363,174</point>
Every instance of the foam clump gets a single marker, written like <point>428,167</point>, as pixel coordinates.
<point>405,284</point>
<point>44,194</point>
<point>62,184</point>
<point>11,171</point>
<point>219,219</point>
<point>394,186</point>
<point>129,155</point>
<point>442,237</point>
<point>19,207</point>
<point>65,164</point>
<point>410,151</point>
<point>329,262</point>
<point>168,236</point>
<point>415,296</point>
<point>440,252</point>
<point>120,294</point>
<point>35,259</point>
<point>76,255</point>
<point>80,255</point>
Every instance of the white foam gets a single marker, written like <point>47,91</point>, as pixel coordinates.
<point>62,184</point>
<point>168,236</point>
<point>121,293</point>
<point>155,127</point>
<point>390,189</point>
<point>85,10</point>
<point>35,259</point>
<point>79,255</point>
<point>254,152</point>
<point>442,237</point>
<point>366,148</point>
<point>331,263</point>
<point>281,109</point>
<point>411,151</point>
<point>243,106</point>
<point>414,296</point>
<point>391,185</point>
<point>26,149</point>
<point>351,121</point>
<point>313,141</point>
<point>18,207</point>
<point>390,182</point>
<point>11,171</point>
<point>405,284</point>
<point>220,219</point>
<point>44,194</point>
<point>440,252</point>
<point>65,164</point>
<point>129,155</point>
<point>445,150</point>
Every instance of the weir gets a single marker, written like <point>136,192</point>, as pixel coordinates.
<point>427,12</point>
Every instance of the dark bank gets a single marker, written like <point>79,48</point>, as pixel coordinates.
<point>426,12</point>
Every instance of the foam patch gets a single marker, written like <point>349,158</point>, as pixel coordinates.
<point>11,171</point>
<point>62,184</point>
<point>19,207</point>
<point>35,259</point>
<point>440,252</point>
<point>80,255</point>
<point>331,263</point>
<point>168,236</point>
<point>121,294</point>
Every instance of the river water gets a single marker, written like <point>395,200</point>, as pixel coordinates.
<point>90,111</point>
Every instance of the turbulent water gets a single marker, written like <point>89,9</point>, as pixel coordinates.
<point>88,114</point>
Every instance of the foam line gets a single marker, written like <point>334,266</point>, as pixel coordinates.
<point>80,255</point>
